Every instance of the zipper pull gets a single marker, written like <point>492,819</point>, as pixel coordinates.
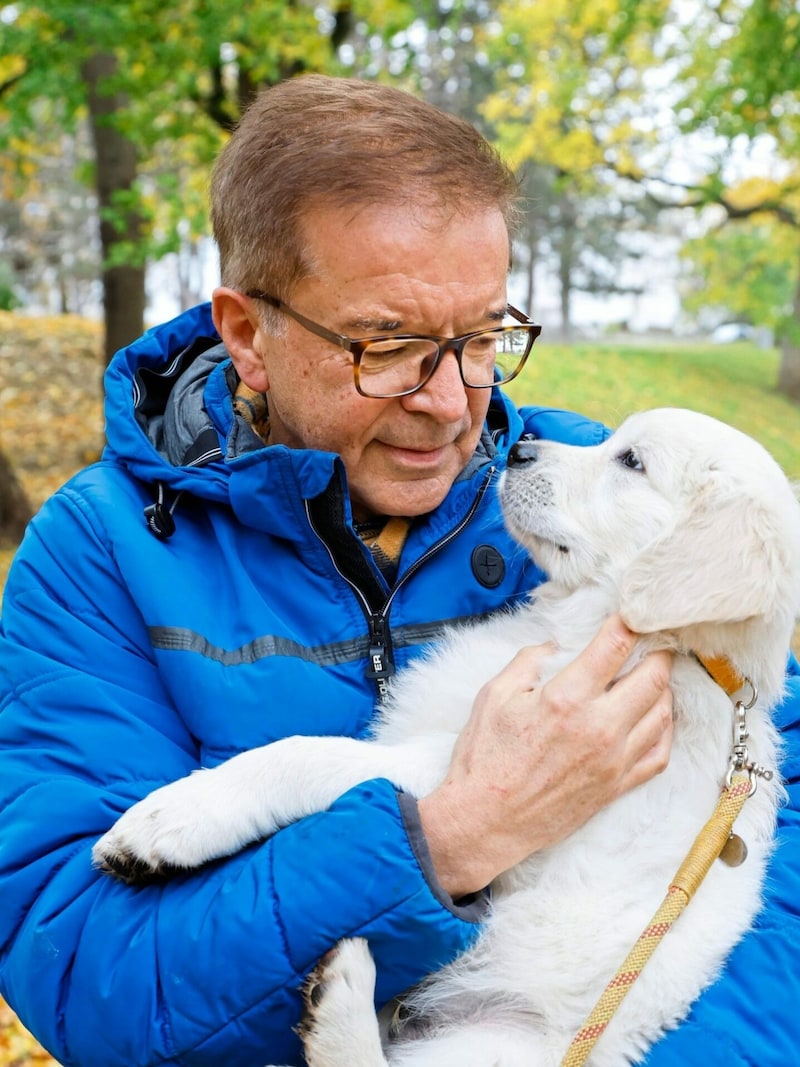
<point>381,665</point>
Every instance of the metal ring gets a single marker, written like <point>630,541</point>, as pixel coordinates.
<point>754,697</point>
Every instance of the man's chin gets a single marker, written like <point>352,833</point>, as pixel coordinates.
<point>408,498</point>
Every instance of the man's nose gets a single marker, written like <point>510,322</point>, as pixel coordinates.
<point>445,390</point>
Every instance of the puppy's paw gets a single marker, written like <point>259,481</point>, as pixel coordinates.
<point>176,828</point>
<point>339,1024</point>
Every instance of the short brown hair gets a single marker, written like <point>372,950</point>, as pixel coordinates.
<point>316,140</point>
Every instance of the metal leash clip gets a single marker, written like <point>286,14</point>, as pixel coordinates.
<point>740,756</point>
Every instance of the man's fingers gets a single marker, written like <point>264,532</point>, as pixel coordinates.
<point>650,742</point>
<point>524,670</point>
<point>644,687</point>
<point>596,667</point>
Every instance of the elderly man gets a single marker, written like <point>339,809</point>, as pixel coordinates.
<point>297,494</point>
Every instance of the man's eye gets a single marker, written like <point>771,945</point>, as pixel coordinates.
<point>486,342</point>
<point>630,460</point>
<point>386,351</point>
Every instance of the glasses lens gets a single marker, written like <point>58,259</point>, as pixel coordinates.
<point>495,356</point>
<point>395,366</point>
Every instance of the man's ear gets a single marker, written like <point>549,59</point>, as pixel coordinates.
<point>236,319</point>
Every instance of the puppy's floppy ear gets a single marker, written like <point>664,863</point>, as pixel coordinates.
<point>719,563</point>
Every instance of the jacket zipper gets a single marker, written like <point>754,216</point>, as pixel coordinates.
<point>380,665</point>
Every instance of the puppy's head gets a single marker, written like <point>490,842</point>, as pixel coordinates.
<point>691,521</point>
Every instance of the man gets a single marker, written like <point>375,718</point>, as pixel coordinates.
<point>298,492</point>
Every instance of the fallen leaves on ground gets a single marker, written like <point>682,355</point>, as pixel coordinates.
<point>50,398</point>
<point>51,412</point>
<point>17,1047</point>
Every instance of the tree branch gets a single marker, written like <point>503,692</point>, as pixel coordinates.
<point>705,194</point>
<point>6,86</point>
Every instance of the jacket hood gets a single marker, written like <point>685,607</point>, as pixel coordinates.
<point>170,421</point>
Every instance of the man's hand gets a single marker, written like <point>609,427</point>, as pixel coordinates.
<point>534,764</point>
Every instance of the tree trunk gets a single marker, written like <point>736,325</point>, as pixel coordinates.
<point>789,373</point>
<point>565,273</point>
<point>532,250</point>
<point>15,511</point>
<point>530,281</point>
<point>115,175</point>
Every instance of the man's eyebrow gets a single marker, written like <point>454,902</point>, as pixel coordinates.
<point>366,325</point>
<point>376,326</point>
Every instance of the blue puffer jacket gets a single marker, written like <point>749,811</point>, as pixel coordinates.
<point>128,660</point>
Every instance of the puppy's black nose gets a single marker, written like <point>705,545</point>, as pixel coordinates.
<point>523,452</point>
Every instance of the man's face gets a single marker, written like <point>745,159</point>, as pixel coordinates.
<point>378,271</point>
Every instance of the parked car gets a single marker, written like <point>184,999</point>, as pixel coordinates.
<point>732,331</point>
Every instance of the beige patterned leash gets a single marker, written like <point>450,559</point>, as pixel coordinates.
<point>709,844</point>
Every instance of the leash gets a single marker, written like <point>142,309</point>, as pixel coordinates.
<point>710,843</point>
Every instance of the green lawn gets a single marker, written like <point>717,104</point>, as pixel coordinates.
<point>735,383</point>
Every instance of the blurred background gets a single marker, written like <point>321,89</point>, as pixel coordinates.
<point>657,142</point>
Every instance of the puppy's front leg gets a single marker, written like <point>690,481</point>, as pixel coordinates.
<point>216,812</point>
<point>339,1024</point>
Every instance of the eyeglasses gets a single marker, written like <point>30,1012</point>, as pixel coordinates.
<point>400,364</point>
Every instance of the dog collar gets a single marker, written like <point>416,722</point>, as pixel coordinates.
<point>723,673</point>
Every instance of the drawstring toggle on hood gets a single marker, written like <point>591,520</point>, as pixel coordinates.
<point>159,517</point>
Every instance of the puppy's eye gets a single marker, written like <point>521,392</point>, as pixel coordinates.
<point>630,460</point>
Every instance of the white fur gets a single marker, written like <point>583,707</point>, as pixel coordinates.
<point>700,551</point>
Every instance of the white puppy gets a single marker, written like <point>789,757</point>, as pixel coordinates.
<point>692,532</point>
